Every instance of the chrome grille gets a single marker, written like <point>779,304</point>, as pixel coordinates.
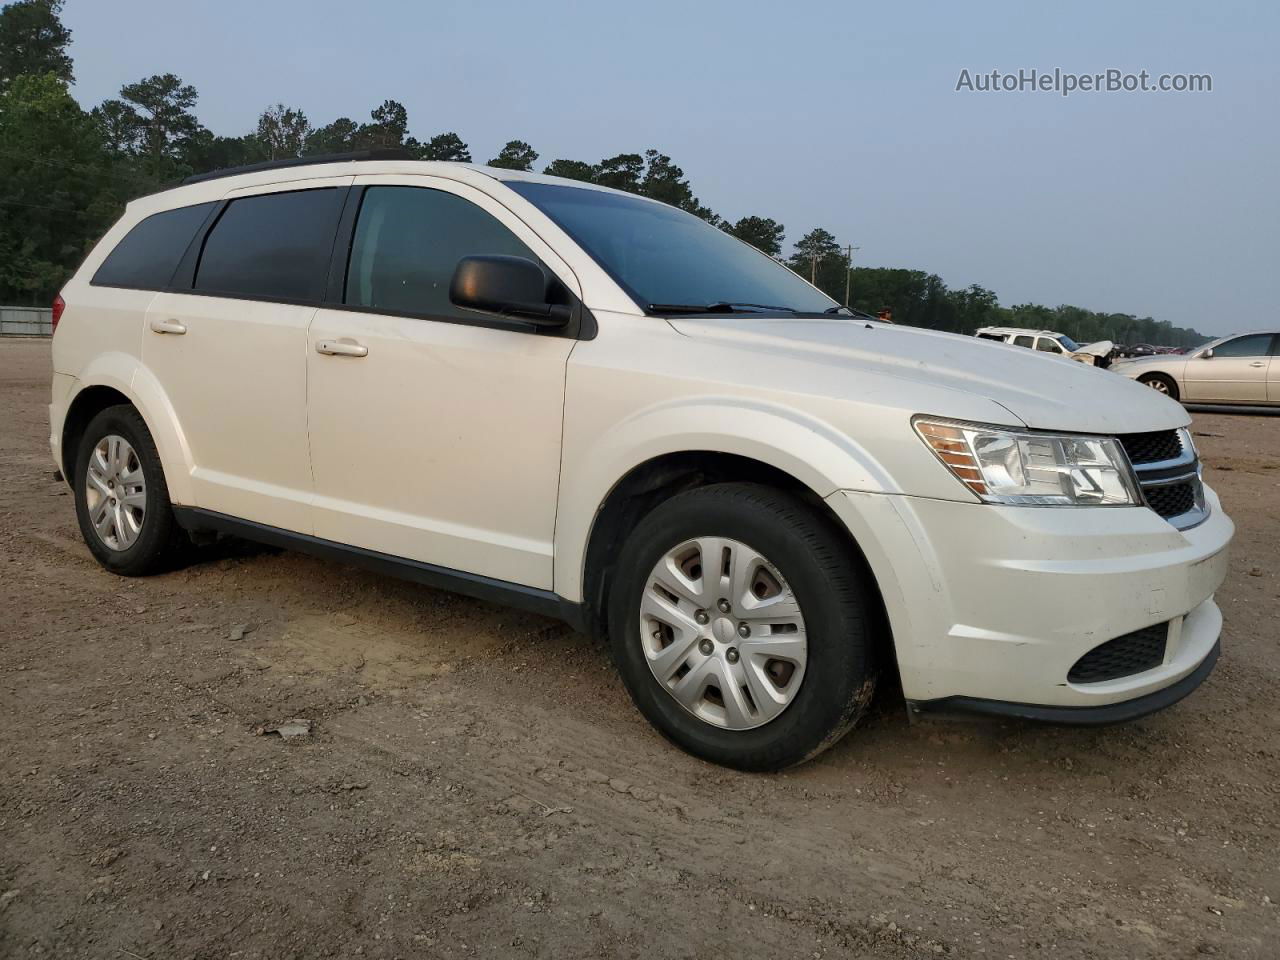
<point>1152,447</point>
<point>1168,472</point>
<point>1172,499</point>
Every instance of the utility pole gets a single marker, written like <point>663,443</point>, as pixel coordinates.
<point>848,271</point>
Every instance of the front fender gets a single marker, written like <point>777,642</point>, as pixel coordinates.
<point>127,375</point>
<point>815,453</point>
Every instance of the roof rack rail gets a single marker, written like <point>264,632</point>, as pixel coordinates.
<point>382,153</point>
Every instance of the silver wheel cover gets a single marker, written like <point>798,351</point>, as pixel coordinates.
<point>722,633</point>
<point>115,492</point>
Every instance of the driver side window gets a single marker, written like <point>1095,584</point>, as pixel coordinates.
<point>1254,345</point>
<point>407,243</point>
<point>1048,345</point>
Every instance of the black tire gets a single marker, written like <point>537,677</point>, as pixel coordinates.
<point>160,542</point>
<point>835,600</point>
<point>1170,385</point>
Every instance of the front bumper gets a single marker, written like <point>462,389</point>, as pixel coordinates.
<point>1099,716</point>
<point>994,605</point>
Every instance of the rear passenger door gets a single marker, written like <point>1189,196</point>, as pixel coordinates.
<point>228,344</point>
<point>1273,371</point>
<point>435,431</point>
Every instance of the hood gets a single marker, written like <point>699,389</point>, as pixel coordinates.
<point>1039,390</point>
<point>1099,349</point>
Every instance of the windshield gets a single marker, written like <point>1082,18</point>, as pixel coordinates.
<point>664,257</point>
<point>1067,342</point>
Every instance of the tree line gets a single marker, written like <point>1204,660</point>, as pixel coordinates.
<point>66,174</point>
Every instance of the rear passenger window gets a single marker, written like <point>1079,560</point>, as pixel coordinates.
<point>149,253</point>
<point>1022,341</point>
<point>408,241</point>
<point>275,246</point>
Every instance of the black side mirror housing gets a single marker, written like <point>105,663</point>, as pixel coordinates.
<point>511,286</point>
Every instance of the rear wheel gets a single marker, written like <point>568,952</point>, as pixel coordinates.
<point>122,501</point>
<point>1161,383</point>
<point>740,623</point>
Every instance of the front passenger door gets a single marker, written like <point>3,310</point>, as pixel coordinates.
<point>435,431</point>
<point>1048,345</point>
<point>1236,373</point>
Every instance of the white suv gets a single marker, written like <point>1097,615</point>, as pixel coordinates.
<point>595,406</point>
<point>1050,342</point>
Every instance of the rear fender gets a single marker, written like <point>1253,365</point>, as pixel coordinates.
<point>124,373</point>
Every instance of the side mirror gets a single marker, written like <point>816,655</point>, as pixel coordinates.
<point>511,286</point>
<point>1207,355</point>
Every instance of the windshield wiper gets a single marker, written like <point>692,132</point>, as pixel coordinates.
<point>720,306</point>
<point>861,314</point>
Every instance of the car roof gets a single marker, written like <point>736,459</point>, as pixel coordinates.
<point>1019,330</point>
<point>210,188</point>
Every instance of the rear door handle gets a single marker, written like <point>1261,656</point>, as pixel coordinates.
<point>169,326</point>
<point>341,348</point>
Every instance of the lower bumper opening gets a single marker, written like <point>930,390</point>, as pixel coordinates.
<point>1124,656</point>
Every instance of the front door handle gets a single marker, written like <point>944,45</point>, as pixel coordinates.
<point>345,347</point>
<point>1258,363</point>
<point>169,326</point>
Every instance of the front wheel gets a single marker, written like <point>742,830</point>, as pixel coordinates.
<point>740,621</point>
<point>1161,384</point>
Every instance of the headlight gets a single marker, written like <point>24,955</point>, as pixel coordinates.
<point>1002,465</point>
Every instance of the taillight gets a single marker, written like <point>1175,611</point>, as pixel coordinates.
<point>58,306</point>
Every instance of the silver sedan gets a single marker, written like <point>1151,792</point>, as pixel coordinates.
<point>1241,369</point>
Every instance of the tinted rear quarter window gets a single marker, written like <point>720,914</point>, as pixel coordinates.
<point>408,242</point>
<point>273,246</point>
<point>149,253</point>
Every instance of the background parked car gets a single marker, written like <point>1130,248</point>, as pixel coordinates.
<point>1049,341</point>
<point>1242,368</point>
<point>1141,350</point>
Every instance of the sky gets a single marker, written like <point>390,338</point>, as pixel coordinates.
<point>843,115</point>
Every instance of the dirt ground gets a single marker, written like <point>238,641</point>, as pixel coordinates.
<point>477,782</point>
